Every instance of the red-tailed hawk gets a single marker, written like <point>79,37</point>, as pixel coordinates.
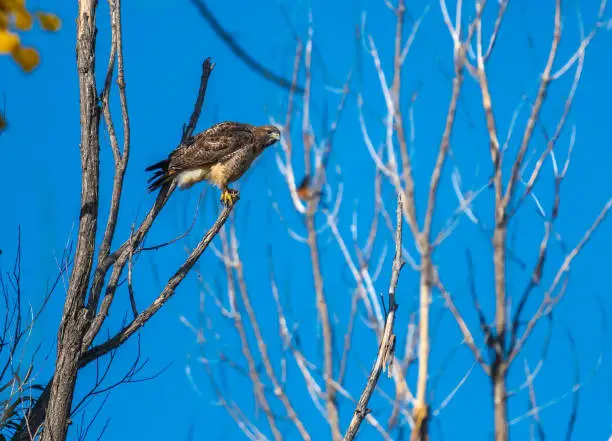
<point>219,155</point>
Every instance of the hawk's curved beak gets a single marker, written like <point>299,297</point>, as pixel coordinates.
<point>275,136</point>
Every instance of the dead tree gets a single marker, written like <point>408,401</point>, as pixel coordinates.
<point>96,269</point>
<point>309,208</point>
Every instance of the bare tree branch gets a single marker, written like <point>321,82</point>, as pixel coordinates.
<point>387,344</point>
<point>279,390</point>
<point>81,324</point>
<point>120,257</point>
<point>168,291</point>
<point>240,52</point>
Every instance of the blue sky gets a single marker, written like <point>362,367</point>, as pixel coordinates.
<point>164,44</point>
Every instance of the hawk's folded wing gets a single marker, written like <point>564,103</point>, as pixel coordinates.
<point>211,146</point>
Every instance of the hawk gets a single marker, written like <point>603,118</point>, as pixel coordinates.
<point>219,155</point>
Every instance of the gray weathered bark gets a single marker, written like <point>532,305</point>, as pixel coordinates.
<point>74,320</point>
<point>82,321</point>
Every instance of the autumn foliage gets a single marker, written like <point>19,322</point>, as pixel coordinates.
<point>16,18</point>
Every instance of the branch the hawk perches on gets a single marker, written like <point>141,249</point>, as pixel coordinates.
<point>219,155</point>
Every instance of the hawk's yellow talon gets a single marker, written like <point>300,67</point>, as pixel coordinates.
<point>229,197</point>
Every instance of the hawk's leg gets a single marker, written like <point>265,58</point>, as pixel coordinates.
<point>229,196</point>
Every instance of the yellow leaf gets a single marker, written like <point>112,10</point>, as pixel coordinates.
<point>8,41</point>
<point>49,22</point>
<point>4,18</point>
<point>23,18</point>
<point>26,57</point>
<point>11,4</point>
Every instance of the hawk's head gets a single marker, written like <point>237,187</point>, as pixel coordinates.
<point>267,135</point>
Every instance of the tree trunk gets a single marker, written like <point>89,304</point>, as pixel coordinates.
<point>499,368</point>
<point>74,319</point>
<point>500,403</point>
<point>421,408</point>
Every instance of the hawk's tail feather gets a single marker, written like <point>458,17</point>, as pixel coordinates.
<point>156,175</point>
<point>161,175</point>
<point>163,165</point>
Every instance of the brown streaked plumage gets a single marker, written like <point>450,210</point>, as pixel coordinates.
<point>219,155</point>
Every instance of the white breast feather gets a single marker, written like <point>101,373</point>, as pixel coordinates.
<point>217,175</point>
<point>187,178</point>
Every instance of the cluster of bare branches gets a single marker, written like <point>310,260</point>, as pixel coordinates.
<point>311,209</point>
<point>316,197</point>
<point>19,382</point>
<point>96,271</point>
